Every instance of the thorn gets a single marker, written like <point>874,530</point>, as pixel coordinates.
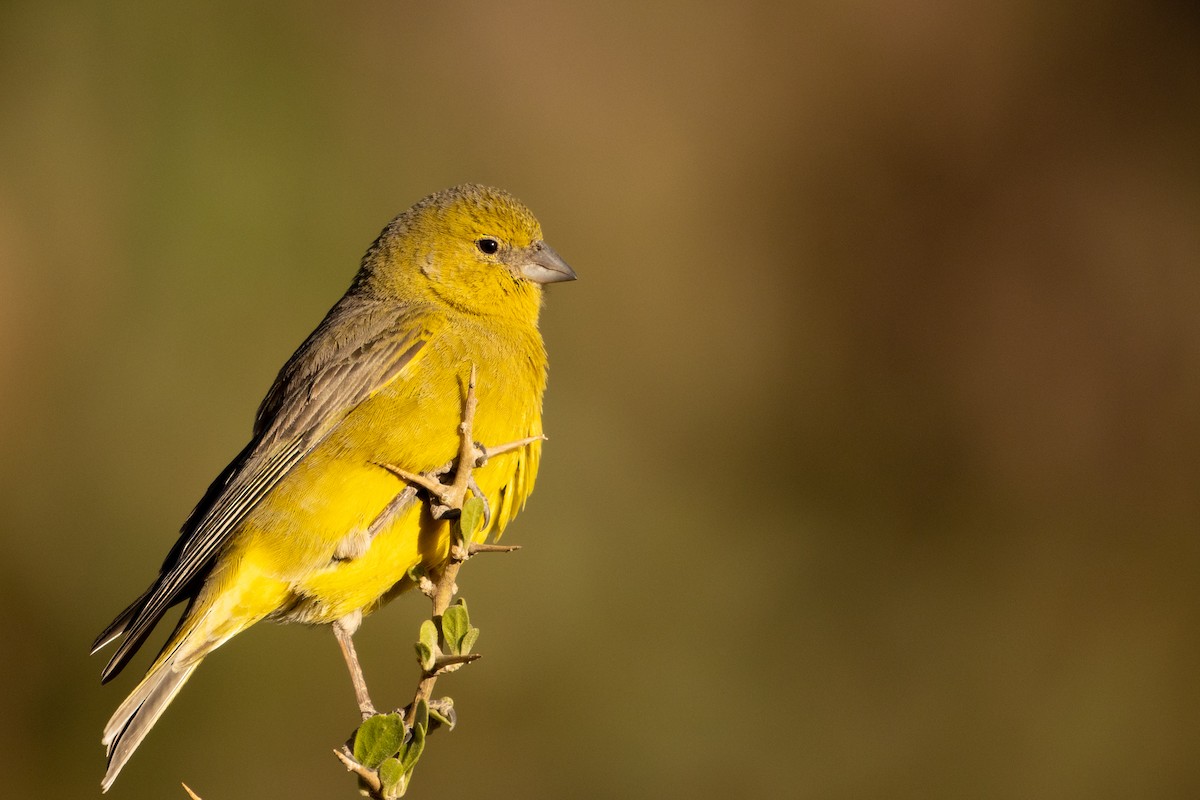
<point>344,756</point>
<point>188,789</point>
<point>434,487</point>
<point>517,445</point>
<point>492,548</point>
<point>441,662</point>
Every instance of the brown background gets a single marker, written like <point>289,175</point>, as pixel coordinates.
<point>874,422</point>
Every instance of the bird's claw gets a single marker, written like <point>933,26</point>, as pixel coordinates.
<point>447,497</point>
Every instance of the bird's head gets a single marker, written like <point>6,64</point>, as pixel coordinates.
<point>474,248</point>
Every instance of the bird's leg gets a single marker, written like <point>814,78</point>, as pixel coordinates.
<point>344,629</point>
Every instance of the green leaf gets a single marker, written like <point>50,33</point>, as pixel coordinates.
<point>429,634</point>
<point>425,657</point>
<point>469,640</point>
<point>421,715</point>
<point>415,746</point>
<point>427,647</point>
<point>456,624</point>
<point>378,738</point>
<point>391,777</point>
<point>471,518</point>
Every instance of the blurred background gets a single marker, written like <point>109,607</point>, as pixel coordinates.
<point>874,434</point>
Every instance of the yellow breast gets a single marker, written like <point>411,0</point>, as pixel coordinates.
<point>329,539</point>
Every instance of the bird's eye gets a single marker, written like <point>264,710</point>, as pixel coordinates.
<point>488,246</point>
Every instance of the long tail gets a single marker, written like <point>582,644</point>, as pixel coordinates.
<point>137,715</point>
<point>212,617</point>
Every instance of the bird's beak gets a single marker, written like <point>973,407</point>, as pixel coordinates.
<point>546,266</point>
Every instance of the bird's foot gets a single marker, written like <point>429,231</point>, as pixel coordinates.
<point>450,485</point>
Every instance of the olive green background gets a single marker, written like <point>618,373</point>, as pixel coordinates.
<point>874,414</point>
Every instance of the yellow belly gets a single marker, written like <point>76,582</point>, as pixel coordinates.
<point>324,543</point>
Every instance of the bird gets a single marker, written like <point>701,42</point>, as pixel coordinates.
<point>312,522</point>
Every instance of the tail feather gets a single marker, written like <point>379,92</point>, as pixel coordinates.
<point>137,715</point>
<point>117,628</point>
<point>209,621</point>
<point>136,629</point>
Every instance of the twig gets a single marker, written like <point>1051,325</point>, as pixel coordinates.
<point>369,776</point>
<point>443,592</point>
<point>446,504</point>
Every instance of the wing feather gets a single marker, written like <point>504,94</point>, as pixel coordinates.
<point>361,346</point>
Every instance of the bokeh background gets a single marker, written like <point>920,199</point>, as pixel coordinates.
<point>874,414</point>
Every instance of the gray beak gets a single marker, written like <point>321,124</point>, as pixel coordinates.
<point>546,266</point>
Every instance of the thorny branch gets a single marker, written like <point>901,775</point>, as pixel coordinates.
<point>446,503</point>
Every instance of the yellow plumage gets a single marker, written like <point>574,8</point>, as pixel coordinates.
<point>307,524</point>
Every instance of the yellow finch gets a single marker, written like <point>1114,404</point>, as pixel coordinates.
<point>310,522</point>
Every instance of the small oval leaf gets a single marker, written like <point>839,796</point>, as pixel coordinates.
<point>377,739</point>
<point>471,518</point>
<point>391,777</point>
<point>455,626</point>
